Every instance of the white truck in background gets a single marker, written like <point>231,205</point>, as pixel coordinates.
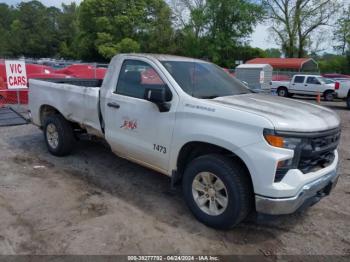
<point>234,151</point>
<point>343,92</point>
<point>311,85</point>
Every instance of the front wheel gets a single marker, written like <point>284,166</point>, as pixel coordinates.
<point>217,190</point>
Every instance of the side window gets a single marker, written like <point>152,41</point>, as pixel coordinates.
<point>299,79</point>
<point>312,80</point>
<point>135,77</point>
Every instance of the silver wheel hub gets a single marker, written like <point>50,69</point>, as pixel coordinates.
<point>52,135</point>
<point>210,193</point>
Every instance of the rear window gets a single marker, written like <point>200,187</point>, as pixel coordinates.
<point>299,79</point>
<point>312,80</point>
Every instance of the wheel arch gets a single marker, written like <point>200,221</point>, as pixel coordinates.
<point>194,149</point>
<point>328,91</point>
<point>47,110</point>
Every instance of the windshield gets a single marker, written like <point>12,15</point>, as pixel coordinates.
<point>204,80</point>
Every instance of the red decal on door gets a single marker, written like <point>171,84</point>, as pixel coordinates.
<point>129,124</point>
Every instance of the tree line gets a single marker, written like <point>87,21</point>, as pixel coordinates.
<point>217,30</point>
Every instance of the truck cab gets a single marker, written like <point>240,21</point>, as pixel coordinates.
<point>310,85</point>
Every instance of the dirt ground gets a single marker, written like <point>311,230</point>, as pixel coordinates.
<point>93,202</point>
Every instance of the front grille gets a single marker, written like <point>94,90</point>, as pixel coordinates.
<point>318,151</point>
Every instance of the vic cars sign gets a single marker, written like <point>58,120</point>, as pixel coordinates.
<point>16,74</point>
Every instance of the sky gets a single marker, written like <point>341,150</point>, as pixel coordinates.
<point>260,37</point>
<point>45,2</point>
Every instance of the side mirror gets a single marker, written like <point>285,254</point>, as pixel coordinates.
<point>157,95</point>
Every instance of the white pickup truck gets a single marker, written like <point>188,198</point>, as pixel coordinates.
<point>343,92</point>
<point>306,85</point>
<point>234,151</point>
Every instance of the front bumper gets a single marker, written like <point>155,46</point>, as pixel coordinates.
<point>309,194</point>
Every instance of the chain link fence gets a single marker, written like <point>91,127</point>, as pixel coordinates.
<point>13,97</point>
<point>47,69</point>
<point>14,103</point>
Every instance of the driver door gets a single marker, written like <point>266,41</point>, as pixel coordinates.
<point>136,129</point>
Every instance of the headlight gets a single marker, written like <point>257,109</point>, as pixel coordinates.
<point>280,141</point>
<point>284,141</point>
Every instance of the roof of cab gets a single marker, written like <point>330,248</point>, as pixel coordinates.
<point>164,57</point>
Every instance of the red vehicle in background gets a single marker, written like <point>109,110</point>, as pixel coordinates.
<point>150,77</point>
<point>83,71</point>
<point>229,71</point>
<point>336,76</point>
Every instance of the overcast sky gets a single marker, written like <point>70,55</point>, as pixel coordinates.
<point>45,2</point>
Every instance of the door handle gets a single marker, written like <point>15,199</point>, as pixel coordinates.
<point>114,105</point>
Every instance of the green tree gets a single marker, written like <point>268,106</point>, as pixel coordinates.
<point>107,26</point>
<point>273,52</point>
<point>7,16</point>
<point>330,63</point>
<point>216,29</point>
<point>342,32</point>
<point>295,21</point>
<point>68,30</point>
<point>34,30</point>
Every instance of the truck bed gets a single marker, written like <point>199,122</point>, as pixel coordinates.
<point>77,102</point>
<point>76,81</point>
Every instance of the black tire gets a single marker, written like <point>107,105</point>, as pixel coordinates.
<point>328,95</point>
<point>237,182</point>
<point>65,136</point>
<point>348,102</point>
<point>282,91</point>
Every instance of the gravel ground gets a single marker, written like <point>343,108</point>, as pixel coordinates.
<point>93,202</point>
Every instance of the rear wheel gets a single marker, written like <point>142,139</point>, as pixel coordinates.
<point>282,91</point>
<point>217,190</point>
<point>328,95</point>
<point>59,135</point>
<point>348,102</point>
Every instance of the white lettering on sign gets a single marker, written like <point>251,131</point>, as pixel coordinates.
<point>16,74</point>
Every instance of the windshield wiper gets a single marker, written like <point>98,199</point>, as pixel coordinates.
<point>208,97</point>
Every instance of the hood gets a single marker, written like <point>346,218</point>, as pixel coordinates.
<point>284,113</point>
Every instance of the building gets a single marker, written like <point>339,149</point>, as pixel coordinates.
<point>257,76</point>
<point>288,64</point>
